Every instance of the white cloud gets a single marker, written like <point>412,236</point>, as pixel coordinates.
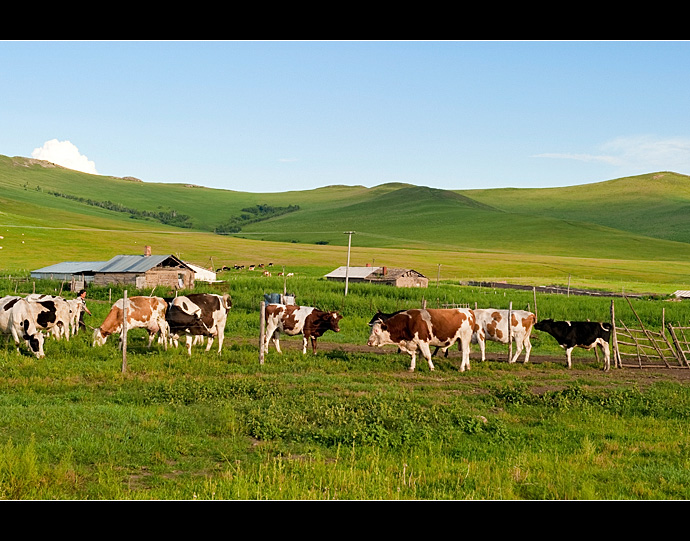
<point>642,153</point>
<point>65,154</point>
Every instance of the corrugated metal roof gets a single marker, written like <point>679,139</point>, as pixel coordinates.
<point>72,267</point>
<point>354,272</point>
<point>682,293</point>
<point>133,263</point>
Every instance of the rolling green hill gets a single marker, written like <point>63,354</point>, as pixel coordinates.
<point>615,232</point>
<point>655,205</point>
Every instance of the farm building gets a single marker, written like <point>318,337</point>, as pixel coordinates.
<point>139,271</point>
<point>82,271</point>
<point>380,275</point>
<point>201,274</point>
<point>682,294</point>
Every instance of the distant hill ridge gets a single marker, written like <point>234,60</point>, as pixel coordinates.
<point>641,217</point>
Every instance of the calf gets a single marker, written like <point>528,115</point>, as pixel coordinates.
<point>143,312</point>
<point>583,334</point>
<point>419,329</point>
<point>293,320</point>
<point>16,319</point>
<point>198,314</point>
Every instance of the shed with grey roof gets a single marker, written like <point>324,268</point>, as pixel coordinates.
<point>398,277</point>
<point>140,271</point>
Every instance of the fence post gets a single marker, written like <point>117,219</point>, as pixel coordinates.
<point>510,331</point>
<point>123,334</point>
<point>262,332</point>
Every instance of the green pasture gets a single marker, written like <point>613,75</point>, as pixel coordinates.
<point>341,424</point>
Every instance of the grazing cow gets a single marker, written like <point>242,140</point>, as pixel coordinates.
<point>293,320</point>
<point>198,314</point>
<point>419,329</point>
<point>51,313</point>
<point>583,334</point>
<point>16,319</point>
<point>143,312</point>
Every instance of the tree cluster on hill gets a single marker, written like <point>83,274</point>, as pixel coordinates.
<point>252,215</point>
<point>168,217</point>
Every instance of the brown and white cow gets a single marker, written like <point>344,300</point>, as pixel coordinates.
<point>198,315</point>
<point>419,329</point>
<point>16,319</point>
<point>492,324</point>
<point>143,313</point>
<point>293,320</point>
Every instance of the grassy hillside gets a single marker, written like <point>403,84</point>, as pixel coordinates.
<point>655,205</point>
<point>48,214</point>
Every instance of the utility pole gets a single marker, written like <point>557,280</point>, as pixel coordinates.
<point>347,269</point>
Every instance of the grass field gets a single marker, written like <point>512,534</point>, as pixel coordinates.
<point>347,423</point>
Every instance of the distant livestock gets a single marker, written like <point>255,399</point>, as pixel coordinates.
<point>294,320</point>
<point>419,329</point>
<point>143,312</point>
<point>16,319</point>
<point>583,334</point>
<point>198,314</point>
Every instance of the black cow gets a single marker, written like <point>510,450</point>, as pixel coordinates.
<point>582,334</point>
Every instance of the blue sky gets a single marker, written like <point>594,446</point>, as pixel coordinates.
<point>277,116</point>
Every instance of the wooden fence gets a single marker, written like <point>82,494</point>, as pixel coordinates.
<point>640,347</point>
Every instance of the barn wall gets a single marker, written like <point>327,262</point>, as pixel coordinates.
<point>165,277</point>
<point>170,277</point>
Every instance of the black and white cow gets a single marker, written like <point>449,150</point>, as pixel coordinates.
<point>582,334</point>
<point>51,313</point>
<point>16,319</point>
<point>198,314</point>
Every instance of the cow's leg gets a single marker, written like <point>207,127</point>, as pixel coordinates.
<point>220,332</point>
<point>188,342</point>
<point>518,350</point>
<point>568,359</point>
<point>276,341</point>
<point>465,342</point>
<point>528,349</point>
<point>209,343</point>
<point>426,352</point>
<point>304,344</point>
<point>607,355</point>
<point>481,340</point>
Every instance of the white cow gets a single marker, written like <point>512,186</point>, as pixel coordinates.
<point>16,319</point>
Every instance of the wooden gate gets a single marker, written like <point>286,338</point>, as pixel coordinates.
<point>644,348</point>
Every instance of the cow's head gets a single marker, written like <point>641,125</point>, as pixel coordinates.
<point>99,337</point>
<point>333,318</point>
<point>379,334</point>
<point>34,339</point>
<point>544,325</point>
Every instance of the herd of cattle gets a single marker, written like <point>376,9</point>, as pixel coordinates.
<point>204,315</point>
